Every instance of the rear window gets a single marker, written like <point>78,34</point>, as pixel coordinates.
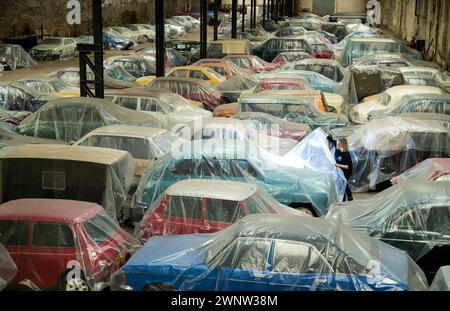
<point>99,228</point>
<point>13,233</point>
<point>223,211</point>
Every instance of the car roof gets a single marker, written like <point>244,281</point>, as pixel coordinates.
<point>213,189</point>
<point>405,89</point>
<point>199,68</point>
<point>51,210</point>
<point>66,153</point>
<point>292,96</point>
<point>127,130</point>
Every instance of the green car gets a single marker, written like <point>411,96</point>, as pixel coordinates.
<point>235,160</point>
<point>70,119</point>
<point>292,108</point>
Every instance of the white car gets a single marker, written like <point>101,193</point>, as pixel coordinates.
<point>54,48</point>
<point>387,100</point>
<point>142,30</point>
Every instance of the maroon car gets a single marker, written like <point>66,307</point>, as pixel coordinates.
<point>433,169</point>
<point>63,244</point>
<point>193,89</point>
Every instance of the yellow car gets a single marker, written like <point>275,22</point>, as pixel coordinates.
<point>144,81</point>
<point>197,72</point>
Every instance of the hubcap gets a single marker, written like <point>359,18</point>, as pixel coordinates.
<point>76,285</point>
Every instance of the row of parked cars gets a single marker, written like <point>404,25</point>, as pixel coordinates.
<point>195,161</point>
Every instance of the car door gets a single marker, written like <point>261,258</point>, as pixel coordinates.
<point>52,248</point>
<point>15,236</point>
<point>243,266</point>
<point>299,266</point>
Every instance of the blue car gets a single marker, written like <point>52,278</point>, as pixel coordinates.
<point>316,80</point>
<point>111,41</point>
<point>270,253</point>
<point>235,160</point>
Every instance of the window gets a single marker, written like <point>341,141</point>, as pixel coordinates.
<point>247,254</point>
<point>297,257</point>
<point>137,147</point>
<point>223,211</point>
<point>127,102</point>
<point>52,235</point>
<point>183,167</point>
<point>13,233</point>
<point>185,207</point>
<point>99,228</point>
<point>53,180</point>
<point>210,168</point>
<point>242,168</point>
<point>179,73</point>
<point>198,75</point>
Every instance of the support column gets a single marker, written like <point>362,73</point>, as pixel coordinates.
<point>234,6</point>
<point>159,38</point>
<point>243,15</point>
<point>216,19</point>
<point>203,27</point>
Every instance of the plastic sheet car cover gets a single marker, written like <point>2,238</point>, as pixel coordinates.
<point>331,69</point>
<point>314,152</point>
<point>179,209</point>
<point>53,48</point>
<point>8,137</point>
<point>238,82</point>
<point>83,245</point>
<point>441,281</point>
<point>47,85</point>
<point>385,148</point>
<point>275,126</point>
<point>71,118</point>
<point>8,268</point>
<point>229,128</point>
<point>235,161</point>
<point>17,97</point>
<point>90,174</point>
<point>276,252</point>
<point>14,57</point>
<point>414,217</point>
<point>370,80</point>
<point>437,169</point>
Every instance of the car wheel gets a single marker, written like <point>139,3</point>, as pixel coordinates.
<point>159,288</point>
<point>76,285</point>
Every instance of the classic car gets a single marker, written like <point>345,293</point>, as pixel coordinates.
<point>196,72</point>
<point>13,56</point>
<point>305,189</point>
<point>387,147</point>
<point>172,55</point>
<point>137,66</point>
<point>46,85</point>
<point>55,48</point>
<point>287,31</point>
<point>206,206</point>
<point>189,88</point>
<point>281,84</point>
<point>69,119</point>
<point>276,252</point>
<point>432,169</point>
<point>17,97</point>
<point>142,30</point>
<point>292,108</point>
<point>251,62</point>
<point>223,69</point>
<point>329,68</point>
<point>270,48</point>
<point>316,80</point>
<point>387,100</point>
<point>97,175</point>
<point>111,40</point>
<point>48,237</point>
<point>222,48</point>
<point>288,57</point>
<point>412,216</point>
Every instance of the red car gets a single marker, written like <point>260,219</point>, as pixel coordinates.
<point>322,51</point>
<point>290,57</point>
<point>433,169</point>
<point>63,244</point>
<point>206,206</point>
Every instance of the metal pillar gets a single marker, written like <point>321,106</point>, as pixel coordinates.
<point>243,15</point>
<point>234,6</point>
<point>264,13</point>
<point>216,19</point>
<point>203,27</point>
<point>97,48</point>
<point>251,14</point>
<point>283,3</point>
<point>159,39</point>
<point>254,14</point>
<point>272,9</point>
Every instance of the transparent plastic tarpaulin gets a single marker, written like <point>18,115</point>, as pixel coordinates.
<point>55,48</point>
<point>276,252</point>
<point>8,268</point>
<point>16,97</point>
<point>441,281</point>
<point>411,216</point>
<point>236,160</point>
<point>14,57</point>
<point>62,244</point>
<point>98,175</point>
<point>206,206</point>
<point>385,148</point>
<point>371,80</point>
<point>71,118</point>
<point>437,169</point>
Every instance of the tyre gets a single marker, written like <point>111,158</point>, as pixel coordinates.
<point>73,284</point>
